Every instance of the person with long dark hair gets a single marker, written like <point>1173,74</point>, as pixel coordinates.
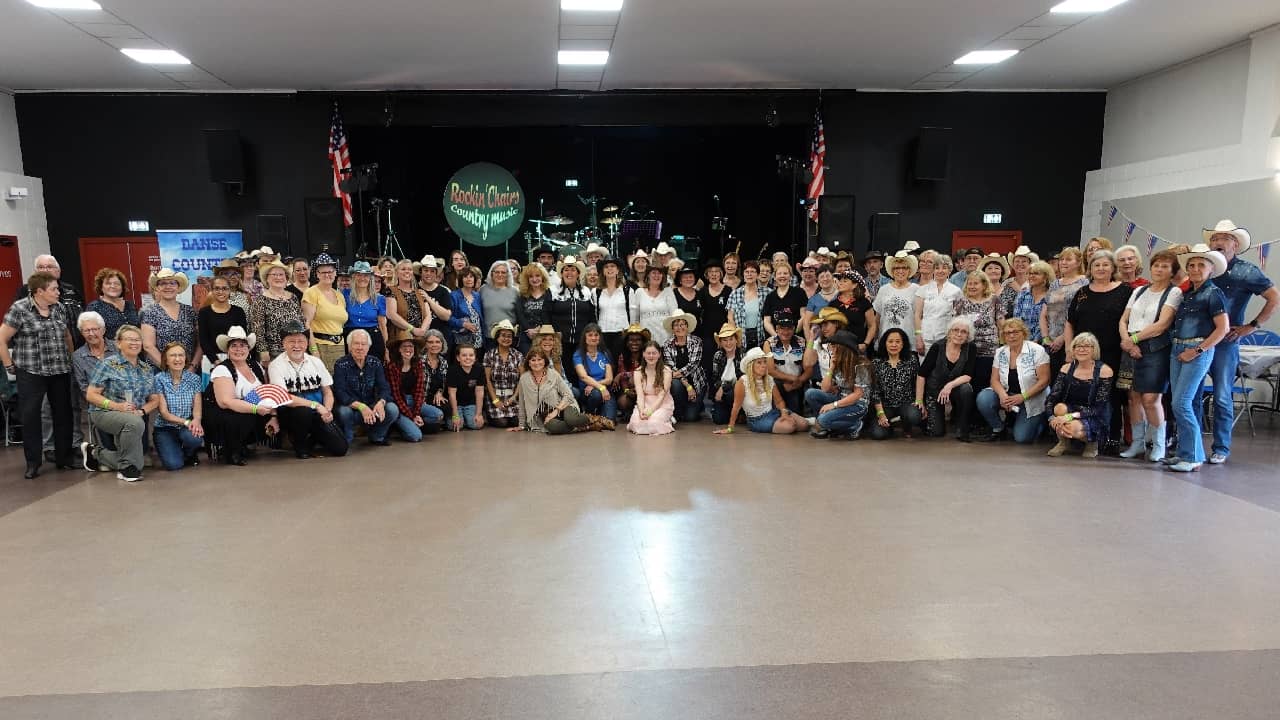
<point>653,302</point>
<point>502,366</point>
<point>613,304</point>
<point>593,367</point>
<point>839,405</point>
<point>217,317</point>
<point>893,385</point>
<point>545,401</point>
<point>625,364</point>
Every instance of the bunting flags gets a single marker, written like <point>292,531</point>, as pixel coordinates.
<point>1132,228</point>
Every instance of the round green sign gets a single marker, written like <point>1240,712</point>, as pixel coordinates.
<point>484,204</point>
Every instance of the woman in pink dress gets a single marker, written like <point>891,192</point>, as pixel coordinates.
<point>654,406</point>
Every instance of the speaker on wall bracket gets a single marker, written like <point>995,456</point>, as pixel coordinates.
<point>885,231</point>
<point>226,158</point>
<point>325,229</point>
<point>932,156</point>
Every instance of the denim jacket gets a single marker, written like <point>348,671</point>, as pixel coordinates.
<point>1198,309</point>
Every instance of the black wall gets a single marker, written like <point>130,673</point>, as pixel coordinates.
<point>106,158</point>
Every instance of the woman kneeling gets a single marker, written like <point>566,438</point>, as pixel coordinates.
<point>545,400</point>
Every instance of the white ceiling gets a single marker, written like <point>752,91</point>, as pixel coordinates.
<point>511,44</point>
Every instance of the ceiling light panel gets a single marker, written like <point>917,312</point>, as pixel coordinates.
<point>591,5</point>
<point>985,57</point>
<point>66,4</point>
<point>583,57</point>
<point>1084,6</point>
<point>151,56</point>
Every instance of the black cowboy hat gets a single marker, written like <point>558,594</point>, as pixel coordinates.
<point>845,338</point>
<point>543,250</point>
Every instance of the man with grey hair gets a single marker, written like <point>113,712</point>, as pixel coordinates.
<point>361,392</point>
<point>83,361</point>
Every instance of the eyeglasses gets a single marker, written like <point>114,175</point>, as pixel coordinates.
<point>221,288</point>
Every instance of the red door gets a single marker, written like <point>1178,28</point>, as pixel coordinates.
<point>136,257</point>
<point>10,272</point>
<point>991,241</point>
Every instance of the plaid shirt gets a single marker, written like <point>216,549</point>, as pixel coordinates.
<point>1026,309</point>
<point>693,372</point>
<point>40,346</point>
<point>738,306</point>
<point>419,390</point>
<point>179,398</point>
<point>122,381</point>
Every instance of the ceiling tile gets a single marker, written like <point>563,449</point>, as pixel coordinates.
<point>584,44</point>
<point>1032,32</point>
<point>587,32</point>
<point>111,30</point>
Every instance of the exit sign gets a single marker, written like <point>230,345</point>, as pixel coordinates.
<point>992,218</point>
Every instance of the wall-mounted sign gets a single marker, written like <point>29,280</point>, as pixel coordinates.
<point>484,204</point>
<point>992,218</point>
<point>195,253</point>
<point>139,226</point>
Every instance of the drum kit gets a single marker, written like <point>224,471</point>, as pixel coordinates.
<point>554,231</point>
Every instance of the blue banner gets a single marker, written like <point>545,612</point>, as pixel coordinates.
<point>196,253</point>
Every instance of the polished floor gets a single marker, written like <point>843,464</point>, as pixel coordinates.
<point>605,575</point>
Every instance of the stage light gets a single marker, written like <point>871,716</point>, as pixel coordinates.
<point>1084,6</point>
<point>583,57</point>
<point>155,57</point>
<point>66,4</point>
<point>985,57</point>
<point>592,5</point>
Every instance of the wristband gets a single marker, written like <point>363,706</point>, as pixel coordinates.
<point>919,332</point>
<point>186,423</point>
<point>729,430</point>
<point>256,408</point>
<point>880,413</point>
<point>313,405</point>
<point>1024,396</point>
<point>106,404</point>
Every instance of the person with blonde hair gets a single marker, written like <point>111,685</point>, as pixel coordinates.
<point>1081,398</point>
<point>980,305</point>
<point>756,394</point>
<point>1018,387</point>
<point>1094,245</point>
<point>1031,300</point>
<point>1053,318</point>
<point>533,304</point>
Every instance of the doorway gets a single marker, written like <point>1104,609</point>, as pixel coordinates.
<point>991,241</point>
<point>136,257</point>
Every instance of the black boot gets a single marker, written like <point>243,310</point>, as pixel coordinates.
<point>33,469</point>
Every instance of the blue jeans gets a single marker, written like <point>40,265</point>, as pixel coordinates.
<point>468,414</point>
<point>1186,379</point>
<point>348,418</point>
<point>593,403</point>
<point>688,407</point>
<point>1025,429</point>
<point>408,429</point>
<point>174,445</point>
<point>848,418</point>
<point>1226,358</point>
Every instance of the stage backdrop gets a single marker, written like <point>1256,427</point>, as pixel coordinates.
<point>195,253</point>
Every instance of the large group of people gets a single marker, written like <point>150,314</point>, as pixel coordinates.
<point>982,346</point>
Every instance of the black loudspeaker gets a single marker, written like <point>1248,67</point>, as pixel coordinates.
<point>273,231</point>
<point>226,156</point>
<point>325,231</point>
<point>885,232</point>
<point>933,151</point>
<point>835,223</point>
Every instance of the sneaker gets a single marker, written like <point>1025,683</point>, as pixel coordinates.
<point>1170,460</point>
<point>1185,467</point>
<point>129,474</point>
<point>86,455</point>
<point>1217,458</point>
<point>819,433</point>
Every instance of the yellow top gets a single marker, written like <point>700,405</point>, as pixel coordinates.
<point>330,317</point>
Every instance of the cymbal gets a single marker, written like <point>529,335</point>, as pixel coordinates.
<point>611,221</point>
<point>610,208</point>
<point>559,220</point>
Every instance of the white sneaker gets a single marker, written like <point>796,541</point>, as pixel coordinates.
<point>86,455</point>
<point>129,474</point>
<point>1217,458</point>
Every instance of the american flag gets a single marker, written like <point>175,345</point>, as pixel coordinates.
<point>1263,252</point>
<point>817,164</point>
<point>339,160</point>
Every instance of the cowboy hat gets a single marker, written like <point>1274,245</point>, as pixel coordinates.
<point>227,264</point>
<point>241,256</point>
<point>428,261</point>
<point>595,248</point>
<point>540,250</point>
<point>902,257</point>
<point>664,249</point>
<point>419,344</point>
<point>1215,258</point>
<point>616,262</point>
<point>547,330</point>
<point>266,250</point>
<point>361,268</point>
<point>845,338</point>
<point>293,327</point>
<point>324,259</point>
<point>1022,251</point>
<point>752,355</point>
<point>1226,227</point>
<point>873,255</point>
<point>637,329</point>
<point>996,258</point>
<point>912,246</point>
<point>679,314</point>
<point>572,261</point>
<point>262,271</point>
<point>729,329</point>
<point>824,251</point>
<point>639,253</point>
<point>830,314</point>
<point>503,324</point>
<point>169,274</point>
<point>235,332</point>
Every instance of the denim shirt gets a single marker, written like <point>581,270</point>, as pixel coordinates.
<point>1197,311</point>
<point>1239,284</point>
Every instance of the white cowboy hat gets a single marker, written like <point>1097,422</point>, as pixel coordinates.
<point>266,250</point>
<point>640,253</point>
<point>428,261</point>
<point>675,264</point>
<point>1023,251</point>
<point>902,257</point>
<point>664,249</point>
<point>235,332</point>
<point>1200,250</point>
<point>1229,228</point>
<point>911,246</point>
<point>679,314</point>
<point>996,258</point>
<point>169,274</point>
<point>752,355</point>
<point>824,251</point>
<point>503,324</point>
<point>595,248</point>
<point>575,262</point>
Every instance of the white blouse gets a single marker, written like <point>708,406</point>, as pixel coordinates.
<point>1031,357</point>
<point>611,310</point>
<point>650,311</point>
<point>937,311</point>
